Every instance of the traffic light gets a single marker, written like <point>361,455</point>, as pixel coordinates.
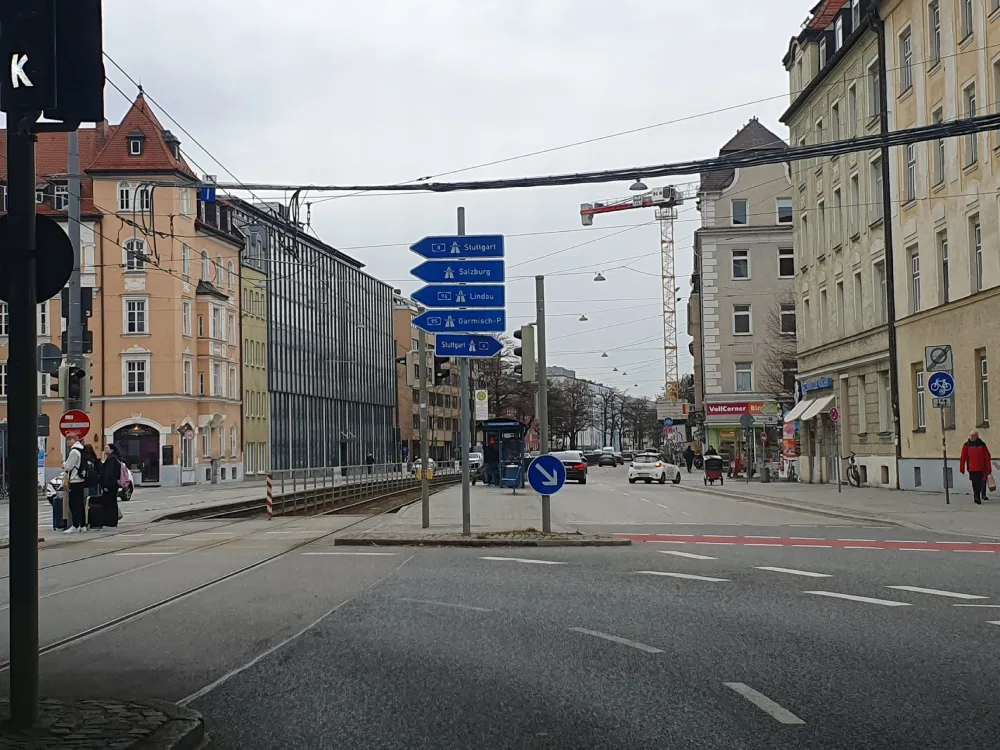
<point>74,386</point>
<point>442,368</point>
<point>526,351</point>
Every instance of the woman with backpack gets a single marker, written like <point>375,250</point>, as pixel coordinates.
<point>93,487</point>
<point>111,478</point>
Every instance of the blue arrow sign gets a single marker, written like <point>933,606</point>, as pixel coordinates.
<point>461,296</point>
<point>470,246</point>
<point>941,385</point>
<point>462,321</point>
<point>460,272</point>
<point>466,345</point>
<point>546,475</point>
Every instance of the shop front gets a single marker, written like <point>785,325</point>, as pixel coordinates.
<point>816,416</point>
<point>724,430</point>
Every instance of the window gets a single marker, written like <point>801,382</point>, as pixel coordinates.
<point>135,315</point>
<point>201,384</point>
<point>881,300</point>
<point>804,236</point>
<point>136,380</point>
<point>206,441</point>
<point>218,331</point>
<point>220,272</point>
<point>838,209</point>
<point>135,146</point>
<point>3,378</point>
<point>841,309</point>
<point>232,441</point>
<point>911,172</point>
<point>787,314</point>
<point>43,319</point>
<point>838,34</point>
<point>821,229</point>
<point>742,325</point>
<point>188,376</point>
<point>824,313</point>
<point>939,151</point>
<point>934,15</point>
<point>231,274</point>
<point>983,394</point>
<point>914,255</point>
<point>218,380</point>
<point>143,198</point>
<point>233,390</point>
<point>61,198</point>
<point>186,316</point>
<point>206,267</point>
<point>4,320</point>
<point>976,243</point>
<point>744,377</point>
<point>874,91</point>
<point>741,264</point>
<point>972,139</point>
<point>135,255</point>
<point>784,210</point>
<point>201,325</point>
<point>920,402</point>
<point>822,52</point>
<point>740,217</point>
<point>884,403</point>
<point>855,14</point>
<point>185,260</point>
<point>875,183</point>
<point>855,206</point>
<point>806,317</point>
<point>124,196</point>
<point>185,201</point>
<point>968,19</point>
<point>905,61</point>
<point>835,121</point>
<point>852,111</point>
<point>786,262</point>
<point>862,405</point>
<point>819,135</point>
<point>789,373</point>
<point>232,328</point>
<point>943,261</point>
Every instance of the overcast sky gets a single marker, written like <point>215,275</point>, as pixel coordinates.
<point>384,91</point>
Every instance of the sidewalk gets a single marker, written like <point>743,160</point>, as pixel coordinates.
<point>915,510</point>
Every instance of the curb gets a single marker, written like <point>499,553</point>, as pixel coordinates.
<point>185,729</point>
<point>418,542</point>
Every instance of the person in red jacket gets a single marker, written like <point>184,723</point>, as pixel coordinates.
<point>977,457</point>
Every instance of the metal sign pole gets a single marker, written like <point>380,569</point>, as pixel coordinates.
<point>463,372</point>
<point>425,488</point>
<point>543,393</point>
<point>944,455</point>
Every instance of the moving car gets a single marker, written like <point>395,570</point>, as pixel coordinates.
<point>592,457</point>
<point>475,461</point>
<point>431,464</point>
<point>628,456</point>
<point>575,464</point>
<point>649,467</point>
<point>607,459</point>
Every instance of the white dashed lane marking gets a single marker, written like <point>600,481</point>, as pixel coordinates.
<point>765,704</point>
<point>616,639</point>
<point>936,592</point>
<point>447,604</point>
<point>690,555</point>
<point>685,576</point>
<point>863,599</point>
<point>793,572</point>
<point>524,560</point>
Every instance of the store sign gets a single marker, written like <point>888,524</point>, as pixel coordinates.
<point>760,408</point>
<point>818,385</point>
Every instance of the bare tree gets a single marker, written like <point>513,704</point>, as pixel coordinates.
<point>776,373</point>
<point>508,396</point>
<point>571,409</point>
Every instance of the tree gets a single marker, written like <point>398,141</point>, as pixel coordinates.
<point>778,368</point>
<point>571,409</point>
<point>508,396</point>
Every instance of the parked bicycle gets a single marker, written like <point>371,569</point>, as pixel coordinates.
<point>853,473</point>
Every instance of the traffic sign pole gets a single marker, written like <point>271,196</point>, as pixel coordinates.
<point>464,397</point>
<point>944,466</point>
<point>543,395</point>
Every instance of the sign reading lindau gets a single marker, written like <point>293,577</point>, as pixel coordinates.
<point>460,272</point>
<point>459,247</point>
<point>462,321</point>
<point>483,296</point>
<point>466,345</point>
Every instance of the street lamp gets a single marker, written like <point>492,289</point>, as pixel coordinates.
<point>599,277</point>
<point>584,318</point>
<point>604,356</point>
<point>638,185</point>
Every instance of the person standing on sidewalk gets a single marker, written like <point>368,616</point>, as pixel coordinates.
<point>76,470</point>
<point>976,456</point>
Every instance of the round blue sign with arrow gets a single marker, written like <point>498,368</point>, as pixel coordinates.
<point>941,385</point>
<point>667,422</point>
<point>546,475</point>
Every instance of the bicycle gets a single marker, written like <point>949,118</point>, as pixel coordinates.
<point>853,474</point>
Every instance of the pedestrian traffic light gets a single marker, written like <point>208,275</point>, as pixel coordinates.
<point>77,386</point>
<point>442,368</point>
<point>526,352</point>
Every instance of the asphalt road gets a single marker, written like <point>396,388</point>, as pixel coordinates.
<point>731,625</point>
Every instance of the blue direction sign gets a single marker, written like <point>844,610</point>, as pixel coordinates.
<point>941,385</point>
<point>468,246</point>
<point>491,295</point>
<point>460,272</point>
<point>546,475</point>
<point>466,345</point>
<point>667,422</point>
<point>462,321</point>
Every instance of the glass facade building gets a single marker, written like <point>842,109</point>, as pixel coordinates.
<point>331,352</point>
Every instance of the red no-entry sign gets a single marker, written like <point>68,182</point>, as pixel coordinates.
<point>74,424</point>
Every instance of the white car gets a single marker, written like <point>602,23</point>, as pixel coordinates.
<point>431,464</point>
<point>475,461</point>
<point>649,468</point>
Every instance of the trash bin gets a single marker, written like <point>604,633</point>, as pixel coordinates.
<point>765,474</point>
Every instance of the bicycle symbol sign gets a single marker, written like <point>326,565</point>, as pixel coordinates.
<point>941,385</point>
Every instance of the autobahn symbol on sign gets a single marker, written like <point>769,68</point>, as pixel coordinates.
<point>546,475</point>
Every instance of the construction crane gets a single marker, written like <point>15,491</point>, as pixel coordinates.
<point>665,201</point>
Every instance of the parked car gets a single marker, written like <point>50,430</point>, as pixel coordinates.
<point>475,461</point>
<point>607,459</point>
<point>431,464</point>
<point>575,464</point>
<point>649,468</point>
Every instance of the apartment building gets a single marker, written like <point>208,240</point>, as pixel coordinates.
<point>944,58</point>
<point>841,281</point>
<point>253,307</point>
<point>742,310</point>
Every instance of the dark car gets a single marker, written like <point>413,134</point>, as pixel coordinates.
<point>592,457</point>
<point>627,456</point>
<point>608,459</point>
<point>576,465</point>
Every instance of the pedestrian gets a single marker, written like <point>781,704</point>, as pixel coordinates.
<point>93,488</point>
<point>370,460</point>
<point>976,456</point>
<point>689,457</point>
<point>78,468</point>
<point>111,484</point>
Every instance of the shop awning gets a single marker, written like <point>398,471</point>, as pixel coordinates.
<point>818,406</point>
<point>796,412</point>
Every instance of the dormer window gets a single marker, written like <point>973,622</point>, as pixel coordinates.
<point>822,53</point>
<point>136,143</point>
<point>173,143</point>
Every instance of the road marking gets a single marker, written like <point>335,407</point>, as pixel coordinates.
<point>936,592</point>
<point>793,572</point>
<point>978,606</point>
<point>663,506</point>
<point>218,533</point>
<point>864,599</point>
<point>816,546</point>
<point>686,576</point>
<point>764,703</point>
<point>808,538</point>
<point>718,544</point>
<point>616,639</point>
<point>446,604</point>
<point>861,547</point>
<point>142,554</point>
<point>691,555</point>
<point>857,540</point>
<point>763,544</point>
<point>684,513</point>
<point>753,536</point>
<point>174,497</point>
<point>524,560</point>
<point>915,549</point>
<point>993,622</point>
<point>165,535</point>
<point>359,554</point>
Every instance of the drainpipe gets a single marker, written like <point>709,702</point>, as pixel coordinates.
<point>878,26</point>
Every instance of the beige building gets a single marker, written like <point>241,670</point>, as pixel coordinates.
<point>843,357</point>
<point>742,313</point>
<point>442,401</point>
<point>163,267</point>
<point>254,312</point>
<point>945,61</point>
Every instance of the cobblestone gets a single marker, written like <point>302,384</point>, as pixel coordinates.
<point>102,724</point>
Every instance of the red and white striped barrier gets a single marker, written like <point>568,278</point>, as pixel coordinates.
<point>270,497</point>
